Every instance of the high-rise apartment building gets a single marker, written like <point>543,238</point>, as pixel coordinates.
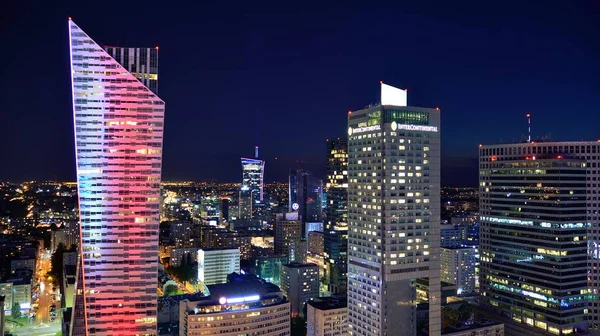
<point>393,215</point>
<point>118,143</point>
<point>215,264</point>
<point>299,283</point>
<point>460,266</point>
<point>306,197</point>
<point>538,234</point>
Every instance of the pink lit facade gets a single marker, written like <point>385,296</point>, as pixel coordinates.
<point>119,133</point>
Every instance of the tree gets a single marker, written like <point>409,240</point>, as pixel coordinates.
<point>57,263</point>
<point>16,310</point>
<point>171,290</point>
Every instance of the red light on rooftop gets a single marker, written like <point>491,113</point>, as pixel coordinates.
<point>528,115</point>
<point>528,158</point>
<point>437,108</point>
<point>480,145</point>
<point>156,47</point>
<point>70,18</point>
<point>494,158</point>
<point>380,82</point>
<point>559,157</point>
<point>349,112</point>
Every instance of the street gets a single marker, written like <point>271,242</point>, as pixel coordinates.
<point>43,325</point>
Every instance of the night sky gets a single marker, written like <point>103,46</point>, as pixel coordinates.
<point>283,77</point>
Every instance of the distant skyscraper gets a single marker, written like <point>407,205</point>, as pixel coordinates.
<point>393,215</point>
<point>306,194</point>
<point>539,235</point>
<point>118,144</point>
<point>253,171</point>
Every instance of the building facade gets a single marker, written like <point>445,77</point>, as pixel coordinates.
<point>460,266</point>
<point>253,173</point>
<point>393,215</point>
<point>306,197</point>
<point>327,317</point>
<point>299,283</point>
<point>142,63</point>
<point>181,256</point>
<point>214,264</point>
<point>539,238</point>
<point>288,230</point>
<point>118,133</point>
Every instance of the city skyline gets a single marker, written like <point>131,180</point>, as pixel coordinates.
<point>479,77</point>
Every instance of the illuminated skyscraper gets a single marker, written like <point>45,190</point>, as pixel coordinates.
<point>393,215</point>
<point>253,171</point>
<point>539,235</point>
<point>118,132</point>
<point>336,215</point>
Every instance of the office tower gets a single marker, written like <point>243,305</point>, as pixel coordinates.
<point>299,283</point>
<point>336,215</point>
<point>452,235</point>
<point>246,203</point>
<point>214,264</point>
<point>142,63</point>
<point>298,250</point>
<point>393,215</point>
<point>305,197</point>
<point>224,207</point>
<point>118,134</point>
<point>288,229</point>
<point>209,211</point>
<point>316,242</point>
<point>253,172</point>
<point>538,238</point>
<point>327,316</point>
<point>336,187</point>
<point>245,305</point>
<point>269,267</point>
<point>460,266</point>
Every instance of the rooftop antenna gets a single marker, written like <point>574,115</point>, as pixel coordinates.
<point>528,127</point>
<point>256,152</point>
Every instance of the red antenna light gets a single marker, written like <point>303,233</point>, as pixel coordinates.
<point>380,82</point>
<point>70,18</point>
<point>349,112</point>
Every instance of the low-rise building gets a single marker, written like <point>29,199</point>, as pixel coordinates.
<point>327,316</point>
<point>179,256</point>
<point>476,329</point>
<point>22,264</point>
<point>244,305</point>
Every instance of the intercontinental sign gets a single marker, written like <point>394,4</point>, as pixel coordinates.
<point>395,127</point>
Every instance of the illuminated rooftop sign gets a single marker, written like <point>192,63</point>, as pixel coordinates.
<point>225,300</point>
<point>363,129</point>
<point>393,96</point>
<point>414,127</point>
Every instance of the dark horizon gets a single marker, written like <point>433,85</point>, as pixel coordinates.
<point>283,78</point>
